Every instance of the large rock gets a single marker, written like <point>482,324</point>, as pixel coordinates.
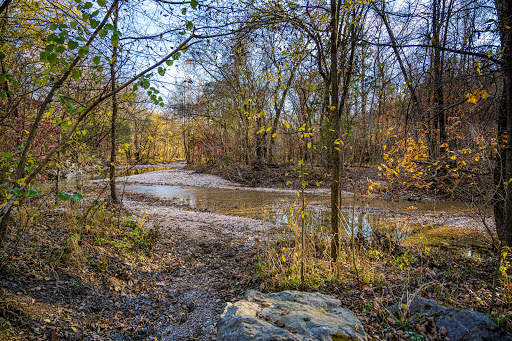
<point>460,325</point>
<point>288,315</point>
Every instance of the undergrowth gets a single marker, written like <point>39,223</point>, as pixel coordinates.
<point>395,260</point>
<point>76,235</point>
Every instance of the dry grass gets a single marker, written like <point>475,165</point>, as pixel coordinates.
<point>397,260</point>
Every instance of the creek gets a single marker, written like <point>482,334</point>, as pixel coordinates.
<point>436,221</point>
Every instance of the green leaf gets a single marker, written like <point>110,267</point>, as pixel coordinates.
<point>169,62</point>
<point>133,95</point>
<point>77,197</point>
<point>101,3</point>
<point>83,51</point>
<point>161,71</point>
<point>60,49</point>
<point>72,44</point>
<point>109,27</point>
<point>176,56</point>
<point>73,24</point>
<point>194,3</point>
<point>124,97</point>
<point>16,191</point>
<point>51,37</point>
<point>52,58</point>
<point>94,23</point>
<point>184,11</point>
<point>53,27</point>
<point>32,192</point>
<point>114,39</point>
<point>190,26</point>
<point>96,60</point>
<point>2,56</point>
<point>88,5</point>
<point>3,95</point>
<point>63,196</point>
<point>103,33</point>
<point>15,84</point>
<point>50,48</point>
<point>76,74</point>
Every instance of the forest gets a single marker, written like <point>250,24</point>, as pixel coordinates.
<point>159,158</point>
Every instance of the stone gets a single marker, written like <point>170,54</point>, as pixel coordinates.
<point>288,315</point>
<point>456,324</point>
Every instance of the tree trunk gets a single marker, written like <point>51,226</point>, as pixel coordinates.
<point>335,129</point>
<point>113,144</point>
<point>503,168</point>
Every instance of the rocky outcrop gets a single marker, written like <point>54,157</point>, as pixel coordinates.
<point>456,324</point>
<point>288,315</point>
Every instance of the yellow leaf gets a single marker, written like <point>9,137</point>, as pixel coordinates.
<point>287,125</point>
<point>472,98</point>
<point>484,94</point>
<point>453,157</point>
<point>274,135</point>
<point>268,129</point>
<point>309,145</point>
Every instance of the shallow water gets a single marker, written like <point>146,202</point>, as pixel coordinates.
<point>360,216</point>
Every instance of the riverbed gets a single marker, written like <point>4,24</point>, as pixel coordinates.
<point>194,194</point>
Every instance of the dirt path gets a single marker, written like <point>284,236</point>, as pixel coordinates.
<point>202,260</point>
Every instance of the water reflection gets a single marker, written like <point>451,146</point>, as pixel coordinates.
<point>371,220</point>
<point>274,207</point>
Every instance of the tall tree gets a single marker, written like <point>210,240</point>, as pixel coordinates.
<point>503,168</point>
<point>113,124</point>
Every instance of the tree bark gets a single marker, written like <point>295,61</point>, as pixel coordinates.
<point>335,129</point>
<point>113,144</point>
<point>503,168</point>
